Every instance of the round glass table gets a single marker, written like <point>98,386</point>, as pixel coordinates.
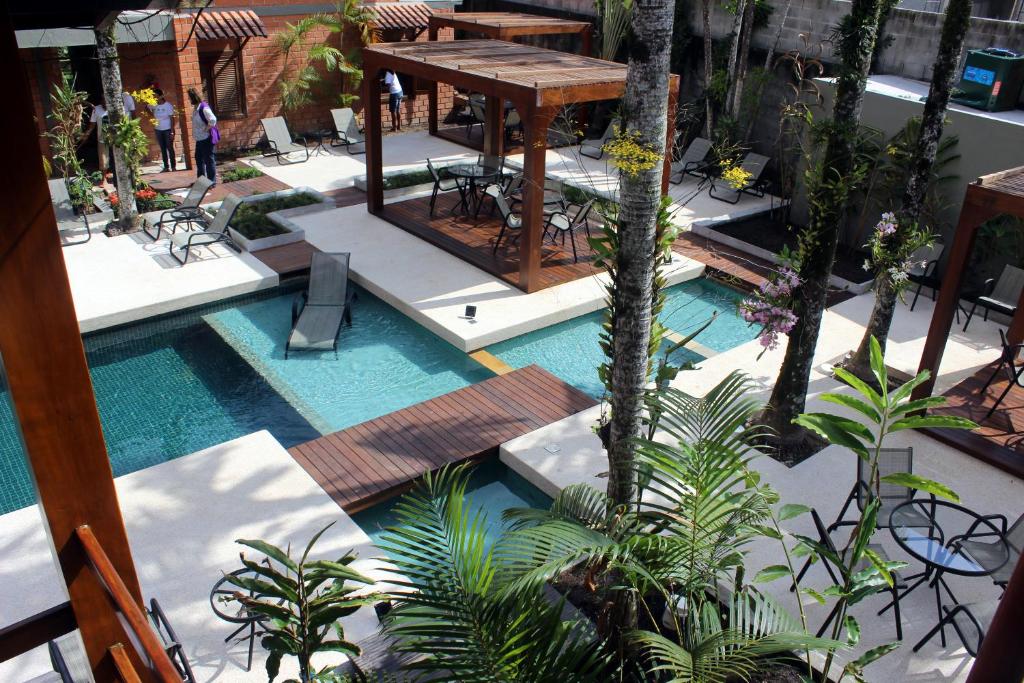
<point>471,174</point>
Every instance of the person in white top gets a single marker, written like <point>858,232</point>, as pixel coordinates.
<point>97,120</point>
<point>129,104</point>
<point>163,112</point>
<point>204,127</point>
<point>395,95</point>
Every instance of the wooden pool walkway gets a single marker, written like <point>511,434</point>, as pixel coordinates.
<point>375,460</point>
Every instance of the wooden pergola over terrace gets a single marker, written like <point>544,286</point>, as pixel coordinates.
<point>510,25</point>
<point>538,82</point>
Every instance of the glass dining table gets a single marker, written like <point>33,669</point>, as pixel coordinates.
<point>473,176</point>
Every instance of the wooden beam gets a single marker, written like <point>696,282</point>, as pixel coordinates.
<point>49,382</point>
<point>432,90</point>
<point>494,125</point>
<point>999,658</point>
<point>36,630</point>
<point>535,139</point>
<point>372,134</point>
<point>673,103</point>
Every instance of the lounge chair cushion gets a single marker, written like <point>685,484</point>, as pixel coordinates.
<point>180,239</point>
<point>316,327</point>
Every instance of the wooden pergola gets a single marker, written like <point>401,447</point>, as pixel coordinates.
<point>537,81</point>
<point>511,25</point>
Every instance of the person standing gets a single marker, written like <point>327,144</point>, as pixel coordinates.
<point>104,152</point>
<point>204,129</point>
<point>129,103</point>
<point>395,95</point>
<point>163,112</point>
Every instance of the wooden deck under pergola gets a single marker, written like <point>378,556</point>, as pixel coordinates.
<point>538,82</point>
<point>999,441</point>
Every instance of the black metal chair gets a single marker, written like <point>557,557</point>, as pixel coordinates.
<point>755,186</point>
<point>172,645</point>
<point>187,212</point>
<point>595,148</point>
<point>890,461</point>
<point>989,553</point>
<point>280,140</point>
<point>970,621</point>
<point>1000,295</point>
<point>443,182</point>
<point>1009,359</point>
<point>212,232</point>
<point>693,161</point>
<point>559,222</point>
<point>923,273</point>
<point>510,220</point>
<point>834,573</point>
<point>319,312</point>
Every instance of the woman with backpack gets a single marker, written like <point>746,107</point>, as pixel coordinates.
<point>204,129</point>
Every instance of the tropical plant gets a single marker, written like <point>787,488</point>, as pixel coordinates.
<point>301,603</point>
<point>449,604</point>
<point>67,107</point>
<point>615,16</point>
<point>879,414</point>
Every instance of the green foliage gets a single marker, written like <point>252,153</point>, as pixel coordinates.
<point>240,172</point>
<point>449,604</point>
<point>251,220</point>
<point>877,414</point>
<point>301,603</point>
<point>67,107</point>
<point>615,25</point>
<point>407,179</point>
<point>127,134</point>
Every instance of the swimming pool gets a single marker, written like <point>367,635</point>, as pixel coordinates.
<point>570,350</point>
<point>172,386</point>
<point>493,488</point>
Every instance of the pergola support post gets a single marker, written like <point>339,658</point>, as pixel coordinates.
<point>996,660</point>
<point>535,139</point>
<point>373,138</point>
<point>673,104</point>
<point>494,133</point>
<point>432,32</point>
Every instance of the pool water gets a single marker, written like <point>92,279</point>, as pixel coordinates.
<point>493,488</point>
<point>176,385</point>
<point>571,350</point>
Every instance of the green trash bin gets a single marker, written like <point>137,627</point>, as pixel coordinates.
<point>991,80</point>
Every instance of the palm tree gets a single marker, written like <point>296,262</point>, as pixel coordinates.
<point>110,76</point>
<point>828,192</point>
<point>951,44</point>
<point>709,71</point>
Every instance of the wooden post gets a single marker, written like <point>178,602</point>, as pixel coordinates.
<point>49,382</point>
<point>494,126</point>
<point>972,215</point>
<point>996,660</point>
<point>673,103</point>
<point>587,42</point>
<point>535,139</point>
<point>432,91</point>
<point>372,135</point>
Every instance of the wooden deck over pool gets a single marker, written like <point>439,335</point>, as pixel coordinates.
<point>375,460</point>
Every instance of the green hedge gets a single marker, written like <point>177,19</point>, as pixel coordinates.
<point>251,218</point>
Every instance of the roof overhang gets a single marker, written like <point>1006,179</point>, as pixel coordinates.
<point>505,25</point>
<point>221,24</point>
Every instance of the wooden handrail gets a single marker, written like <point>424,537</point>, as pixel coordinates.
<point>36,630</point>
<point>132,611</point>
<point>123,664</point>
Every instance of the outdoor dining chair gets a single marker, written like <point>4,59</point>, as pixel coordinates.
<point>319,313</point>
<point>890,461</point>
<point>922,273</point>
<point>834,572</point>
<point>1009,360</point>
<point>1000,295</point>
<point>595,148</point>
<point>477,116</point>
<point>692,161</point>
<point>756,186</point>
<point>213,232</point>
<point>280,139</point>
<point>64,211</point>
<point>987,550</point>
<point>970,621</point>
<point>513,124</point>
<point>510,220</point>
<point>346,131</point>
<point>188,212</point>
<point>169,639</point>
<point>443,182</point>
<point>559,223</point>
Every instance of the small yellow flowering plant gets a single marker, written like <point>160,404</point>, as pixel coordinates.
<point>147,97</point>
<point>631,156</point>
<point>736,176</point>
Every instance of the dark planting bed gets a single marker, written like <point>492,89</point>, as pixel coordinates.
<point>251,218</point>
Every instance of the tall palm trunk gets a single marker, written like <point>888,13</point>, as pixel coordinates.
<point>827,195</point>
<point>110,76</point>
<point>951,45</point>
<point>709,70</point>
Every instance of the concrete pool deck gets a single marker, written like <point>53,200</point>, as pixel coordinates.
<point>568,452</point>
<point>183,517</point>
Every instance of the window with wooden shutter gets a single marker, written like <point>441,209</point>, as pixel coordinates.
<point>224,83</point>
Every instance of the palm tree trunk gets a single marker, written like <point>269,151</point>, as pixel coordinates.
<point>951,45</point>
<point>827,196</point>
<point>709,118</point>
<point>739,73</point>
<point>110,75</point>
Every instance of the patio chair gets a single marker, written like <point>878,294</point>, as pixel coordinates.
<point>443,182</point>
<point>890,461</point>
<point>752,163</point>
<point>595,148</point>
<point>988,553</point>
<point>477,116</point>
<point>513,123</point>
<point>834,573</point>
<point>281,140</point>
<point>560,223</point>
<point>173,647</point>
<point>213,232</point>
<point>970,621</point>
<point>554,194</point>
<point>68,658</point>
<point>64,211</point>
<point>510,220</point>
<point>926,262</point>
<point>1000,295</point>
<point>346,131</point>
<point>1009,359</point>
<point>692,162</point>
<point>319,313</point>
<point>187,212</point>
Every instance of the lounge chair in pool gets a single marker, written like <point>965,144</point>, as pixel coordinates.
<point>212,232</point>
<point>754,164</point>
<point>346,131</point>
<point>595,148</point>
<point>187,212</point>
<point>319,312</point>
<point>67,219</point>
<point>692,162</point>
<point>280,139</point>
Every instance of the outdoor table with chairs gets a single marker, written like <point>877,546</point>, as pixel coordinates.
<point>474,176</point>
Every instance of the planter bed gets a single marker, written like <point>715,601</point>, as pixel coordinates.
<point>264,220</point>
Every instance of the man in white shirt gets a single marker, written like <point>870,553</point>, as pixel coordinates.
<point>395,95</point>
<point>163,112</point>
<point>97,121</point>
<point>129,103</point>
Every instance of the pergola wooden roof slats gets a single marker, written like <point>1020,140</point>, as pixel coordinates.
<point>509,25</point>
